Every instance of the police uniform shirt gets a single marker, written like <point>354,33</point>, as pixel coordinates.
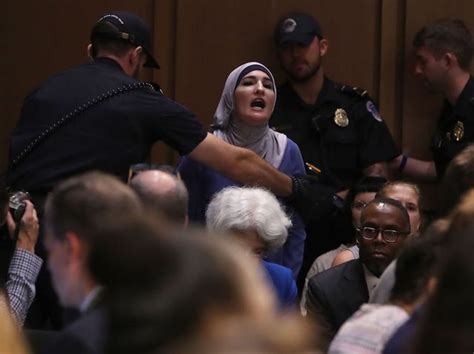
<point>341,134</point>
<point>455,128</point>
<point>109,135</point>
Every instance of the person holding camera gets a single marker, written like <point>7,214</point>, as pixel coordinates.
<point>24,265</point>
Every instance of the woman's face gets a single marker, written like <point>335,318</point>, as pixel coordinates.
<point>254,98</point>
<point>251,241</point>
<point>359,203</point>
<point>410,200</point>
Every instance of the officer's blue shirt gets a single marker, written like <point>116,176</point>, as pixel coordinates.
<point>108,136</point>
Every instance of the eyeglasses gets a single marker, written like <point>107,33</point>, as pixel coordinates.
<point>371,233</point>
<point>357,204</point>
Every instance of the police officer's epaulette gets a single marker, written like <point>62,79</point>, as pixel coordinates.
<point>154,86</point>
<point>352,90</point>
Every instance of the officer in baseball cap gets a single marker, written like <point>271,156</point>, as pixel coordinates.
<point>297,27</point>
<point>129,27</point>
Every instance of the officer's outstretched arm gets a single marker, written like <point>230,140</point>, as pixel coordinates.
<point>418,169</point>
<point>378,169</point>
<point>241,165</point>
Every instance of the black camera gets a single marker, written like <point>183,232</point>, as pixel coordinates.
<point>17,204</point>
<point>17,207</point>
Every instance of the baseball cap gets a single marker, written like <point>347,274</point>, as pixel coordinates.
<point>127,26</point>
<point>297,27</point>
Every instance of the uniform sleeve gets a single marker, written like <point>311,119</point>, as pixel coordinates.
<point>375,143</point>
<point>193,176</point>
<point>177,126</point>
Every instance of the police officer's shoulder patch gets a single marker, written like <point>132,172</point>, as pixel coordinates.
<point>372,109</point>
<point>352,90</point>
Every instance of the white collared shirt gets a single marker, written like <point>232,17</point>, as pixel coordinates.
<point>370,279</point>
<point>89,299</point>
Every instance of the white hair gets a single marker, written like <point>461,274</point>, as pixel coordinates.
<point>249,208</point>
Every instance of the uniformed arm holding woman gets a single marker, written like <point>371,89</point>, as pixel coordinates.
<point>99,116</point>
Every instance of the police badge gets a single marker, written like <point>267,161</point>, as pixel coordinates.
<point>458,131</point>
<point>340,118</point>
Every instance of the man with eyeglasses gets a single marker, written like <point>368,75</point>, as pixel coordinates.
<point>334,295</point>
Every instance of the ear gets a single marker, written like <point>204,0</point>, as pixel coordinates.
<point>323,46</point>
<point>450,60</point>
<point>76,246</point>
<point>432,284</point>
<point>89,52</point>
<point>136,54</point>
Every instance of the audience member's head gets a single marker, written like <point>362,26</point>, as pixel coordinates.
<point>362,192</point>
<point>384,228</point>
<point>12,340</point>
<point>459,177</point>
<point>170,290</point>
<point>448,323</point>
<point>162,193</point>
<point>77,210</point>
<point>410,196</point>
<point>288,334</point>
<point>253,215</point>
<point>415,269</point>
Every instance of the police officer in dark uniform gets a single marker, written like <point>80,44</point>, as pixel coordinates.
<point>455,128</point>
<point>98,116</point>
<point>338,128</point>
<point>443,51</point>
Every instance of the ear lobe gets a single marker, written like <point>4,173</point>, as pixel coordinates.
<point>89,52</point>
<point>76,246</point>
<point>323,46</point>
<point>137,53</point>
<point>450,59</point>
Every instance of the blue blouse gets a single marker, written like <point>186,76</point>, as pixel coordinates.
<point>203,182</point>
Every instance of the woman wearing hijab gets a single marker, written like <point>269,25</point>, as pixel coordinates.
<point>241,119</point>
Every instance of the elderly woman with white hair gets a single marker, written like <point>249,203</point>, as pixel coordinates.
<point>255,218</point>
<point>241,119</point>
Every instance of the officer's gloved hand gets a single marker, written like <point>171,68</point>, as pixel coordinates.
<point>312,199</point>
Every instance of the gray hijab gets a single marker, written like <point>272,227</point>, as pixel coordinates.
<point>265,142</point>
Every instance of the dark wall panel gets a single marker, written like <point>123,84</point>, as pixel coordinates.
<point>212,40</point>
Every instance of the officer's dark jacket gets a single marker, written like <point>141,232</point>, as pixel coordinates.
<point>108,136</point>
<point>455,128</point>
<point>341,152</point>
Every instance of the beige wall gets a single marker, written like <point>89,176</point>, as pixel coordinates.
<point>198,42</point>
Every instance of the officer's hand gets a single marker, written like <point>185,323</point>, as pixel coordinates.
<point>312,199</point>
<point>28,228</point>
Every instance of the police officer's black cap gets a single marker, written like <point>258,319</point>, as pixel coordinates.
<point>297,27</point>
<point>127,26</point>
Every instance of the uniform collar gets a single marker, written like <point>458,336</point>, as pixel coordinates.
<point>464,100</point>
<point>91,299</point>
<point>326,90</point>
<point>108,62</point>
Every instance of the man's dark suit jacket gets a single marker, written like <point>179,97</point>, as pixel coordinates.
<point>87,335</point>
<point>335,294</point>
